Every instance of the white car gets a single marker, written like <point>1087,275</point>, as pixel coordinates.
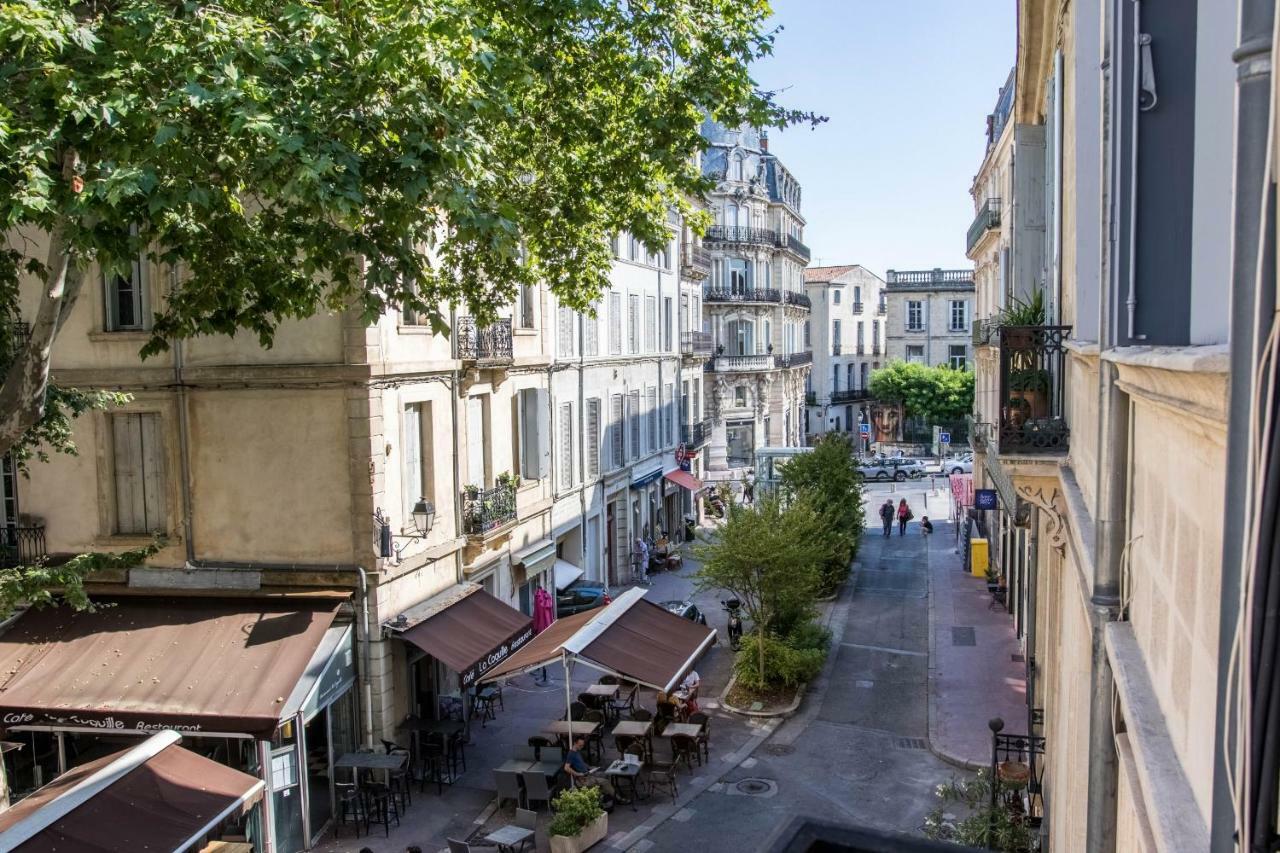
<point>959,465</point>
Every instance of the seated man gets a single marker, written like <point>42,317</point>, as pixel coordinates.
<point>926,526</point>
<point>582,775</point>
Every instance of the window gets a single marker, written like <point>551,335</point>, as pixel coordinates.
<point>126,297</point>
<point>564,333</point>
<point>667,391</point>
<point>532,412</point>
<point>915,316</point>
<point>835,337</point>
<point>591,331</point>
<point>741,334</point>
<point>593,439</point>
<point>417,455</point>
<point>915,354</point>
<point>633,414</point>
<point>806,334</point>
<point>957,357</point>
<point>524,307</point>
<point>650,324</point>
<point>616,428</point>
<point>739,276</point>
<point>736,171</point>
<point>959,315</point>
<point>635,252</point>
<point>615,323</point>
<point>857,298</point>
<point>860,340</point>
<point>875,337</point>
<point>139,473</point>
<point>633,323</point>
<point>835,297</point>
<point>566,445</point>
<point>697,399</point>
<point>666,324</point>
<point>740,396</point>
<point>651,408</point>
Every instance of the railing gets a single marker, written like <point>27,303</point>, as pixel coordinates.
<point>484,510</point>
<point>983,331</point>
<point>791,297</point>
<point>796,246</point>
<point>741,234</point>
<point>988,217</point>
<point>1032,380</point>
<point>979,433</point>
<point>733,363</point>
<point>810,398</point>
<point>862,349</point>
<point>835,348</point>
<point>695,343</point>
<point>750,294</point>
<point>857,307</point>
<point>794,359</point>
<point>882,309</point>
<point>695,262</point>
<point>21,546</point>
<point>849,395</point>
<point>487,344</point>
<point>1017,761</point>
<point>933,276</point>
<point>695,435</point>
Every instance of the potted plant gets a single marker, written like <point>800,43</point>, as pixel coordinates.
<point>1029,391</point>
<point>580,821</point>
<point>1017,320</point>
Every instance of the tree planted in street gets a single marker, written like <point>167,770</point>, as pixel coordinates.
<point>829,479</point>
<point>769,556</point>
<point>934,394</point>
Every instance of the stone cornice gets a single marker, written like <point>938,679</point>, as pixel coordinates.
<point>1184,381</point>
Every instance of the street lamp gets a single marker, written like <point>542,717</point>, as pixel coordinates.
<point>423,515</point>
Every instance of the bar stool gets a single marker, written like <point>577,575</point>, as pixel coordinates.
<point>433,761</point>
<point>456,753</point>
<point>400,779</point>
<point>351,805</point>
<point>380,803</point>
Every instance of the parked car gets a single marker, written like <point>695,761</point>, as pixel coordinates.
<point>686,610</point>
<point>893,469</point>
<point>580,595</point>
<point>959,465</point>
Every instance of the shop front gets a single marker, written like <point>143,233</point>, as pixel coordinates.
<point>681,488</point>
<point>260,686</point>
<point>531,567</point>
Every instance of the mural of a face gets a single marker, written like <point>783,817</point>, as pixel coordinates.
<point>886,421</point>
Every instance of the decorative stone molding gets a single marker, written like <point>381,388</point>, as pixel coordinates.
<point>1049,499</point>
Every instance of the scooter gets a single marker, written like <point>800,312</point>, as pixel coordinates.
<point>732,606</point>
<point>715,504</point>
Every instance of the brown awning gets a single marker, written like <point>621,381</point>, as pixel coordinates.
<point>544,648</point>
<point>649,644</point>
<point>198,665</point>
<point>156,796</point>
<point>473,633</point>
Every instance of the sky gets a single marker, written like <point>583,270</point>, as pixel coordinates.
<point>907,86</point>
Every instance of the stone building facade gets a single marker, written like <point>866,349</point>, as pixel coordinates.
<point>928,314</point>
<point>846,333</point>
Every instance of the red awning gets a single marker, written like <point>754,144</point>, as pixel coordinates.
<point>684,478</point>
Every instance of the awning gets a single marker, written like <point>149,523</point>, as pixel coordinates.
<point>685,479</point>
<point>143,663</point>
<point>537,558</point>
<point>631,638</point>
<point>469,630</point>
<point>566,573</point>
<point>646,479</point>
<point>154,796</point>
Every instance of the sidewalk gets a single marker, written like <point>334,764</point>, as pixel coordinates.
<point>973,674</point>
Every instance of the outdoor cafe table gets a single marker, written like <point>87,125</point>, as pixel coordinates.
<point>509,837</point>
<point>619,770</point>
<point>606,690</point>
<point>561,728</point>
<point>372,761</point>
<point>636,728</point>
<point>520,765</point>
<point>687,729</point>
<point>417,727</point>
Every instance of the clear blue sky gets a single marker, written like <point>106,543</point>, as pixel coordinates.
<point>907,85</point>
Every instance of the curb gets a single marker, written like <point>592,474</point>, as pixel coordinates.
<point>783,714</point>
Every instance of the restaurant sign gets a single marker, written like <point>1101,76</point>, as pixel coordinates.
<point>120,721</point>
<point>513,643</point>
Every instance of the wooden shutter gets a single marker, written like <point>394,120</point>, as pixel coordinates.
<point>542,404</point>
<point>634,415</point>
<point>593,439</point>
<point>615,323</point>
<point>651,409</point>
<point>139,473</point>
<point>412,456</point>
<point>650,324</point>
<point>475,442</point>
<point>616,427</point>
<point>566,445</point>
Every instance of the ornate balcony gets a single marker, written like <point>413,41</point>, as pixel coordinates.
<point>484,345</point>
<point>850,395</point>
<point>695,343</point>
<point>695,435</point>
<point>486,510</point>
<point>695,262</point>
<point>750,294</point>
<point>741,234</point>
<point>741,363</point>
<point>794,359</point>
<point>931,277</point>
<point>987,219</point>
<point>1032,381</point>
<point>21,545</point>
<point>795,246</point>
<point>792,297</point>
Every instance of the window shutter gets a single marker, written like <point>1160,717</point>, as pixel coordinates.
<point>152,473</point>
<point>651,403</point>
<point>475,442</point>
<point>566,445</point>
<point>541,401</point>
<point>650,324</point>
<point>617,440</point>
<point>412,455</point>
<point>615,323</point>
<point>634,415</point>
<point>139,473</point>
<point>593,439</point>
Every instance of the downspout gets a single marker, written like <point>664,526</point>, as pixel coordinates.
<point>455,471</point>
<point>366,657</point>
<point>1055,311</point>
<point>1132,301</point>
<point>184,451</point>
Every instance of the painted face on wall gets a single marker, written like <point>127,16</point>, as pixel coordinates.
<point>886,419</point>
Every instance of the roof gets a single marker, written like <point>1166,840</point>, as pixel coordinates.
<point>474,632</point>
<point>153,796</point>
<point>818,275</point>
<point>544,647</point>
<point>197,664</point>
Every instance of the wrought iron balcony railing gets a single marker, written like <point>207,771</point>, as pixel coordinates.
<point>857,307</point>
<point>988,218</point>
<point>741,234</point>
<point>835,348</point>
<point>882,309</point>
<point>491,344</point>
<point>1032,382</point>
<point>1017,763</point>
<point>794,359</point>
<point>850,395</point>
<point>695,262</point>
<point>794,244</point>
<point>862,348</point>
<point>750,294</point>
<point>485,510</point>
<point>695,343</point>
<point>21,545</point>
<point>695,434</point>
<point>792,297</point>
<point>810,398</point>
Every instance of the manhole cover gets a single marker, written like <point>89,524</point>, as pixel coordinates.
<point>963,637</point>
<point>779,749</point>
<point>756,787</point>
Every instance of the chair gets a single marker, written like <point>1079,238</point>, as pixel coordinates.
<point>433,767</point>
<point>685,748</point>
<point>623,742</point>
<point>496,695</point>
<point>456,846</point>
<point>624,701</point>
<point>351,805</point>
<point>400,779</point>
<point>456,753</point>
<point>528,819</point>
<point>608,679</point>
<point>666,710</point>
<point>596,740</point>
<point>642,715</point>
<point>576,710</point>
<point>381,804</point>
<point>526,753</point>
<point>508,786</point>
<point>663,775</point>
<point>698,718</point>
<point>591,702</point>
<point>539,743</point>
<point>537,788</point>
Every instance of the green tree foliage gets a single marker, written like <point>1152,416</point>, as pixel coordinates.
<point>935,394</point>
<point>828,478</point>
<point>984,826</point>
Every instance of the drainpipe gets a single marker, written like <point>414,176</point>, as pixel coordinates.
<point>184,451</point>
<point>455,470</point>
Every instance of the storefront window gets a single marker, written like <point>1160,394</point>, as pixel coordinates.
<point>740,441</point>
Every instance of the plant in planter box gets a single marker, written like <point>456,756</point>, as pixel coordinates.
<point>509,480</point>
<point>1028,393</point>
<point>580,820</point>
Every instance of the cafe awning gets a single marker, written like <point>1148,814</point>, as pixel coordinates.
<point>685,479</point>
<point>631,638</point>
<point>467,629</point>
<point>154,796</point>
<point>566,573</point>
<point>536,558</point>
<point>204,665</point>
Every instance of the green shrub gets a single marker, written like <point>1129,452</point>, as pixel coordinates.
<point>575,808</point>
<point>784,664</point>
<point>810,635</point>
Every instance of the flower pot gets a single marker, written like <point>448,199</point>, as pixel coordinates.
<point>591,834</point>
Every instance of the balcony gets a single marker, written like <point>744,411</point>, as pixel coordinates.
<point>857,307</point>
<point>486,510</point>
<point>741,234</point>
<point>794,359</point>
<point>695,435</point>
<point>695,262</point>
<point>21,545</point>
<point>835,349</point>
<point>862,348</point>
<point>1032,380</point>
<point>740,363</point>
<point>929,278</point>
<point>794,245</point>
<point>793,298</point>
<point>810,398</point>
<point>987,219</point>
<point>850,395</point>
<point>695,343</point>
<point>750,294</point>
<point>484,345</point>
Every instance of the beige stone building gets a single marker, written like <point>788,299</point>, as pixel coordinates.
<point>846,334</point>
<point>928,313</point>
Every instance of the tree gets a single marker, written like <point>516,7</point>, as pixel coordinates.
<point>312,156</point>
<point>769,556</point>
<point>829,479</point>
<point>934,394</point>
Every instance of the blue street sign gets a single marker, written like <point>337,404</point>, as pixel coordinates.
<point>865,429</point>
<point>944,438</point>
<point>984,498</point>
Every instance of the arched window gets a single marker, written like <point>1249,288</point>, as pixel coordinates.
<point>735,171</point>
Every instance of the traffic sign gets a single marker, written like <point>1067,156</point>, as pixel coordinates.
<point>865,429</point>
<point>944,438</point>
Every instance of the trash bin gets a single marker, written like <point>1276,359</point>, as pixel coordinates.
<point>978,557</point>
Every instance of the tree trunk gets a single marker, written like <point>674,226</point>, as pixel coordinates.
<point>22,396</point>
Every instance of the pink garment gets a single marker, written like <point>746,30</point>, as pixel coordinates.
<point>543,611</point>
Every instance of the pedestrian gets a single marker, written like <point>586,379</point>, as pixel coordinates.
<point>886,516</point>
<point>749,487</point>
<point>640,556</point>
<point>904,515</point>
<point>926,526</point>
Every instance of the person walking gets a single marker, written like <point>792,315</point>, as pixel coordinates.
<point>886,516</point>
<point>904,515</point>
<point>749,487</point>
